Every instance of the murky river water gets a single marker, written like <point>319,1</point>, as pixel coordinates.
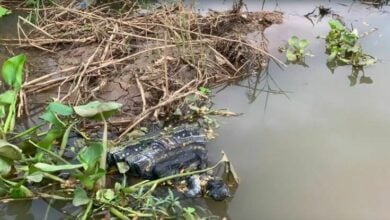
<point>321,151</point>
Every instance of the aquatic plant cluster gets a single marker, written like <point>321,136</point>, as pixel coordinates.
<point>342,46</point>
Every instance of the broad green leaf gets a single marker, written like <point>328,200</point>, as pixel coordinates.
<point>51,136</point>
<point>335,24</point>
<point>54,168</point>
<point>80,197</point>
<point>4,12</point>
<point>95,108</point>
<point>12,71</point>
<point>10,151</point>
<point>105,195</point>
<point>293,41</point>
<point>89,156</point>
<point>303,43</point>
<point>50,117</point>
<point>60,109</point>
<point>290,56</point>
<point>20,191</point>
<point>8,97</point>
<point>35,177</point>
<point>5,166</point>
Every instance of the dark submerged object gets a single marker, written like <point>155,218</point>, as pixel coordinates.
<point>214,187</point>
<point>217,189</point>
<point>164,154</point>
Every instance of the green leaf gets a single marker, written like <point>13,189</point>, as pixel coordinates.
<point>8,97</point>
<point>303,43</point>
<point>335,24</point>
<point>35,177</point>
<point>54,168</point>
<point>88,179</point>
<point>12,71</point>
<point>293,41</point>
<point>105,195</point>
<point>51,136</point>
<point>95,108</point>
<point>4,12</point>
<point>90,156</point>
<point>50,117</point>
<point>20,191</point>
<point>291,56</point>
<point>80,197</point>
<point>60,109</point>
<point>10,151</point>
<point>5,166</point>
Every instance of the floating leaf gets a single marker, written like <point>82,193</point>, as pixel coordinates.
<point>95,108</point>
<point>290,56</point>
<point>293,41</point>
<point>335,24</point>
<point>80,197</point>
<point>10,151</point>
<point>54,168</point>
<point>12,71</point>
<point>8,97</point>
<point>60,109</point>
<point>303,43</point>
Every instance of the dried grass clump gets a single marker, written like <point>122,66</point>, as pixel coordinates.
<point>147,60</point>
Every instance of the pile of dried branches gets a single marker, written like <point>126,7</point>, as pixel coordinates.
<point>149,60</point>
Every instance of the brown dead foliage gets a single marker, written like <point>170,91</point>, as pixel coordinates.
<point>147,60</point>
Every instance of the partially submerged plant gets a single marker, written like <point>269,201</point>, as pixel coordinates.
<point>296,49</point>
<point>12,74</point>
<point>343,48</point>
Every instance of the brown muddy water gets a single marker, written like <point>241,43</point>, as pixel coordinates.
<point>319,151</point>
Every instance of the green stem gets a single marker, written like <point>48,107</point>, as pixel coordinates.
<point>103,158</point>
<point>49,152</point>
<point>10,121</point>
<point>53,155</point>
<point>65,138</point>
<point>87,210</point>
<point>52,177</point>
<point>118,214</point>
